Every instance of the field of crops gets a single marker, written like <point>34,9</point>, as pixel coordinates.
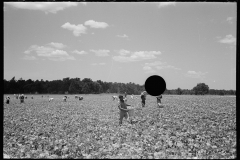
<point>187,127</point>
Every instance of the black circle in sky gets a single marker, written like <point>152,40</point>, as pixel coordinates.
<point>155,85</point>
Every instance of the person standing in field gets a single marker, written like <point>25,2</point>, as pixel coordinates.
<point>7,99</point>
<point>159,100</point>
<point>123,110</point>
<point>143,97</point>
<point>21,98</point>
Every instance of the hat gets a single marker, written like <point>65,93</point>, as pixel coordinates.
<point>120,97</point>
<point>144,92</point>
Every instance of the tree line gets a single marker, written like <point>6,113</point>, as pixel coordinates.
<point>88,86</point>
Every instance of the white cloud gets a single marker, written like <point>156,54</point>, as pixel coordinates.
<point>157,65</point>
<point>79,52</point>
<point>30,49</point>
<point>230,20</point>
<point>54,53</point>
<point>164,4</point>
<point>194,74</point>
<point>28,57</point>
<point>46,7</point>
<point>77,29</point>
<point>57,45</point>
<point>229,39</point>
<point>127,56</point>
<point>101,52</point>
<point>147,68</point>
<point>49,52</point>
<point>122,36</point>
<point>94,24</point>
<point>123,52</point>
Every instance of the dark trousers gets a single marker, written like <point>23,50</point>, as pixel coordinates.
<point>143,103</point>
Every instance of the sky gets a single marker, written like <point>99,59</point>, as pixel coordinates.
<point>185,43</point>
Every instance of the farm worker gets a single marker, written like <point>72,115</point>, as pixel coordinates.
<point>21,98</point>
<point>123,109</point>
<point>7,99</point>
<point>143,97</point>
<point>159,100</point>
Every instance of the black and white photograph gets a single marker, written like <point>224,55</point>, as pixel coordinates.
<point>119,80</point>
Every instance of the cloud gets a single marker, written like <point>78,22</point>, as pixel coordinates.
<point>48,52</point>
<point>164,4</point>
<point>79,52</point>
<point>52,7</point>
<point>77,29</point>
<point>157,65</point>
<point>127,56</point>
<point>230,20</point>
<point>229,39</point>
<point>100,52</point>
<point>148,69</point>
<point>194,74</point>
<point>122,36</point>
<point>28,57</point>
<point>123,52</point>
<point>57,45</point>
<point>94,24</point>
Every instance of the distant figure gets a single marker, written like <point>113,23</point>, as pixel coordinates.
<point>21,97</point>
<point>7,99</point>
<point>42,96</point>
<point>115,98</point>
<point>143,97</point>
<point>65,98</point>
<point>32,97</point>
<point>80,98</point>
<point>159,101</point>
<point>125,94</point>
<point>132,96</point>
<point>123,110</point>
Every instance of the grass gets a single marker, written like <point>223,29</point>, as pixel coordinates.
<point>186,127</point>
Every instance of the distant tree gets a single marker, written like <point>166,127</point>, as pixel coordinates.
<point>13,88</point>
<point>221,92</point>
<point>86,88</point>
<point>87,80</point>
<point>6,86</point>
<point>74,87</point>
<point>201,89</point>
<point>179,91</point>
<point>96,87</point>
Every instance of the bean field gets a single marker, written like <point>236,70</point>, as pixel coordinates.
<point>188,126</point>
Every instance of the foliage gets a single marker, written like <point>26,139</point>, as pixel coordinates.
<point>179,91</point>
<point>202,127</point>
<point>77,86</point>
<point>201,89</point>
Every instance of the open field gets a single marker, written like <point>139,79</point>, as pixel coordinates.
<point>187,127</point>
